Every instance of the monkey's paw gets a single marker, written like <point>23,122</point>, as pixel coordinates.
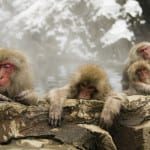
<point>4,98</point>
<point>55,114</point>
<point>27,97</point>
<point>105,123</point>
<point>23,95</point>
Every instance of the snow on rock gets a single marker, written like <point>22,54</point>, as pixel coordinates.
<point>118,30</point>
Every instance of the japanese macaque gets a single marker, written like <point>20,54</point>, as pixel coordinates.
<point>15,78</point>
<point>139,78</point>
<point>140,51</point>
<point>89,82</point>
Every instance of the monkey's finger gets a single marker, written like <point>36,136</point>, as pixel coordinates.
<point>22,95</point>
<point>19,96</point>
<point>4,98</point>
<point>52,121</point>
<point>103,124</point>
<point>59,122</point>
<point>55,121</point>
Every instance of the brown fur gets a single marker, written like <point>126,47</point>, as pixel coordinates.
<point>135,85</point>
<point>91,74</point>
<point>111,109</point>
<point>21,79</point>
<point>95,75</point>
<point>133,51</point>
<point>132,58</point>
<point>134,67</point>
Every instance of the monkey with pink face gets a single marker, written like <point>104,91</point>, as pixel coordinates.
<point>139,78</point>
<point>140,51</point>
<point>16,83</point>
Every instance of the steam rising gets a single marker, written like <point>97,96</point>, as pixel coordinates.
<point>58,36</point>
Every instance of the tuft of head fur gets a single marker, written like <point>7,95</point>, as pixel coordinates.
<point>21,79</point>
<point>134,67</point>
<point>94,75</point>
<point>133,51</point>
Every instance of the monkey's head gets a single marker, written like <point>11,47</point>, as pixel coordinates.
<point>14,72</point>
<point>139,71</point>
<point>140,51</point>
<point>89,82</point>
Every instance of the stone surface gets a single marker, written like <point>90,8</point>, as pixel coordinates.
<point>27,126</point>
<point>19,121</point>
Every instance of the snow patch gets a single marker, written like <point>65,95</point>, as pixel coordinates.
<point>118,30</point>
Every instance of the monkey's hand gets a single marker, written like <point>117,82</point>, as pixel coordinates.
<point>55,109</point>
<point>27,97</point>
<point>56,99</point>
<point>142,88</point>
<point>5,98</point>
<point>55,114</point>
<point>111,109</point>
<point>106,119</point>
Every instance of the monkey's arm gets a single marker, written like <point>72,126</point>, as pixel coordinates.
<point>28,97</point>
<point>5,98</point>
<point>125,78</point>
<point>111,109</point>
<point>141,88</point>
<point>125,81</point>
<point>56,99</point>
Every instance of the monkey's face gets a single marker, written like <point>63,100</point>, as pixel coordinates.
<point>144,52</point>
<point>143,74</point>
<point>86,91</point>
<point>6,70</point>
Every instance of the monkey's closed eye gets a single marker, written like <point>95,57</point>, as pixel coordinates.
<point>92,87</point>
<point>7,66</point>
<point>82,84</point>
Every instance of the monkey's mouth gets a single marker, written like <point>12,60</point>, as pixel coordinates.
<point>146,56</point>
<point>84,97</point>
<point>3,86</point>
<point>145,77</point>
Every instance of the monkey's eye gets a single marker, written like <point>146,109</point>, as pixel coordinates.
<point>138,70</point>
<point>82,85</point>
<point>91,87</point>
<point>142,49</point>
<point>142,70</point>
<point>7,66</point>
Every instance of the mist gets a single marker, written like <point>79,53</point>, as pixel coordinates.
<point>58,36</point>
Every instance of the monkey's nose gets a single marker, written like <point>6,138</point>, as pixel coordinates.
<point>1,76</point>
<point>1,73</point>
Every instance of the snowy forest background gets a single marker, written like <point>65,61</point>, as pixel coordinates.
<point>58,36</point>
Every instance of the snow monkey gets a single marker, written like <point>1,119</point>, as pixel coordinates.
<point>139,78</point>
<point>15,77</point>
<point>140,51</point>
<point>88,82</point>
